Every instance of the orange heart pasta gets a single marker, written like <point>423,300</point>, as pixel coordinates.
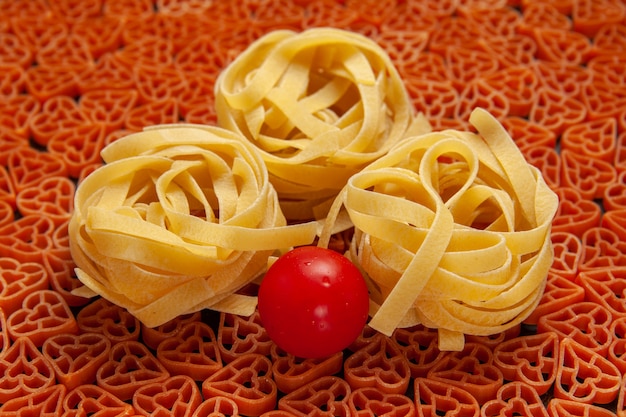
<point>452,230</point>
<point>178,220</point>
<point>319,105</point>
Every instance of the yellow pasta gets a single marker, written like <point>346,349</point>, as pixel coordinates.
<point>178,219</point>
<point>319,105</point>
<point>452,230</point>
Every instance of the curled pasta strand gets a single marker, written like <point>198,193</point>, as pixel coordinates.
<point>452,230</point>
<point>178,219</point>
<point>319,105</point>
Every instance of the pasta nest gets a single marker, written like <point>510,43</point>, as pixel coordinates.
<point>452,230</point>
<point>178,220</point>
<point>319,105</point>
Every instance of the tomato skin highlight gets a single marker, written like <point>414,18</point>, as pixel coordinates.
<point>313,302</point>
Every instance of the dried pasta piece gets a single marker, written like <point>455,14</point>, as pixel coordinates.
<point>78,147</point>
<point>37,32</point>
<point>52,197</point>
<point>14,51</point>
<point>109,72</point>
<point>328,13</point>
<point>68,51</point>
<point>576,214</point>
<point>589,17</point>
<point>11,81</point>
<point>178,219</point>
<point>547,160</point>
<point>542,15</point>
<point>560,292</point>
<point>153,113</point>
<point>103,34</point>
<point>452,230</point>
<point>319,105</point>
<point>158,82</point>
<point>58,114</point>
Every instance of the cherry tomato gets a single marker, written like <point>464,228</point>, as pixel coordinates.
<point>313,302</point>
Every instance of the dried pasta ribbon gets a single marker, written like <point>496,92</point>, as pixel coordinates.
<point>178,219</point>
<point>452,230</point>
<point>319,105</point>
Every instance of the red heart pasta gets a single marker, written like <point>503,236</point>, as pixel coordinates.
<point>319,105</point>
<point>452,230</point>
<point>178,220</point>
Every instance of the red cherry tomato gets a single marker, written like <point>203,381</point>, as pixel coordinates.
<point>313,302</point>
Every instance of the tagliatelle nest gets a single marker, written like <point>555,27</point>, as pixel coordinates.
<point>178,220</point>
<point>319,105</point>
<point>452,230</point>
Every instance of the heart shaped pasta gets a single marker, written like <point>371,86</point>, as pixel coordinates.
<point>28,238</point>
<point>531,359</point>
<point>78,147</point>
<point>594,138</point>
<point>102,316</point>
<point>380,364</point>
<point>76,358</point>
<point>291,373</point>
<point>515,398</point>
<point>27,167</point>
<point>44,402</point>
<point>130,366</point>
<point>472,370</point>
<point>192,351</point>
<point>328,394</point>
<point>220,406</point>
<point>568,250</point>
<point>601,248</point>
<point>238,336</point>
<point>178,220</point>
<point>575,214</point>
<point>419,346</point>
<point>247,381</point>
<point>44,313</point>
<point>556,111</point>
<point>152,113</point>
<point>585,376</point>
<point>586,323</point>
<point>91,398</point>
<point>560,293</point>
<point>108,107</point>
<point>178,395</point>
<point>57,114</point>
<point>558,407</point>
<point>588,175</point>
<point>153,336</point>
<point>433,397</point>
<point>17,280</point>
<point>369,399</point>
<point>52,196</point>
<point>24,370</point>
<point>605,287</point>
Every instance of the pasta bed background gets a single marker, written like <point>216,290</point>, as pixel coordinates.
<point>77,75</point>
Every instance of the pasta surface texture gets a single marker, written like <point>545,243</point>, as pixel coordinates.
<point>452,230</point>
<point>178,220</point>
<point>319,105</point>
